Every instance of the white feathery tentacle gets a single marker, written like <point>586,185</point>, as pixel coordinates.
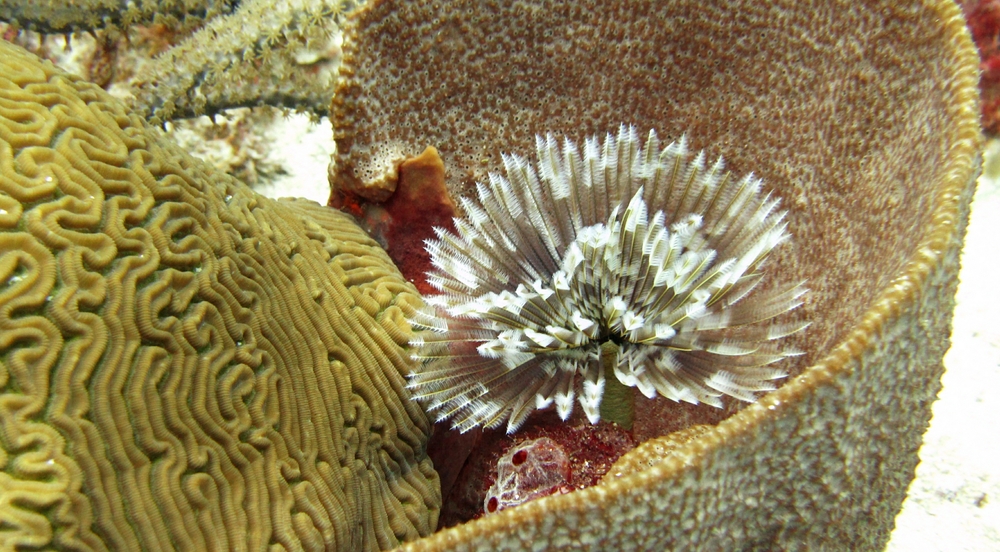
<point>560,256</point>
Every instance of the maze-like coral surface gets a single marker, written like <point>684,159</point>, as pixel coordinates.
<point>185,364</point>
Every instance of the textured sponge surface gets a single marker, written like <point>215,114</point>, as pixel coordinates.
<point>185,364</point>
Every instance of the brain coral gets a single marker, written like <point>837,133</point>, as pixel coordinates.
<point>863,118</point>
<point>185,364</point>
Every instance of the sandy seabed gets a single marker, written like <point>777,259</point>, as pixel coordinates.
<point>954,503</point>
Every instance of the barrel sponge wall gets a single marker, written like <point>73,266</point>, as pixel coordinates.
<point>861,116</point>
<point>843,109</point>
<point>185,364</point>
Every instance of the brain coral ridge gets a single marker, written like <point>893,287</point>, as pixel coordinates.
<point>185,364</point>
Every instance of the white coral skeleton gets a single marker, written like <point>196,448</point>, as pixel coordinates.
<point>559,257</point>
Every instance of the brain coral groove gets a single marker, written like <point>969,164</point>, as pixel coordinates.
<point>185,364</point>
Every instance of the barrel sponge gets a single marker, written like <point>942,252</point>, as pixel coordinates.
<point>185,364</point>
<point>861,116</point>
<point>654,451</point>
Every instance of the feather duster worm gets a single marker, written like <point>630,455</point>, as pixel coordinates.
<point>557,258</point>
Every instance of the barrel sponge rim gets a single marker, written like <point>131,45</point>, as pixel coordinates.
<point>926,284</point>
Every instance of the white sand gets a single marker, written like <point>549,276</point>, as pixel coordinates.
<point>954,503</point>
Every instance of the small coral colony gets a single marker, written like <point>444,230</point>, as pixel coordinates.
<point>623,241</point>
